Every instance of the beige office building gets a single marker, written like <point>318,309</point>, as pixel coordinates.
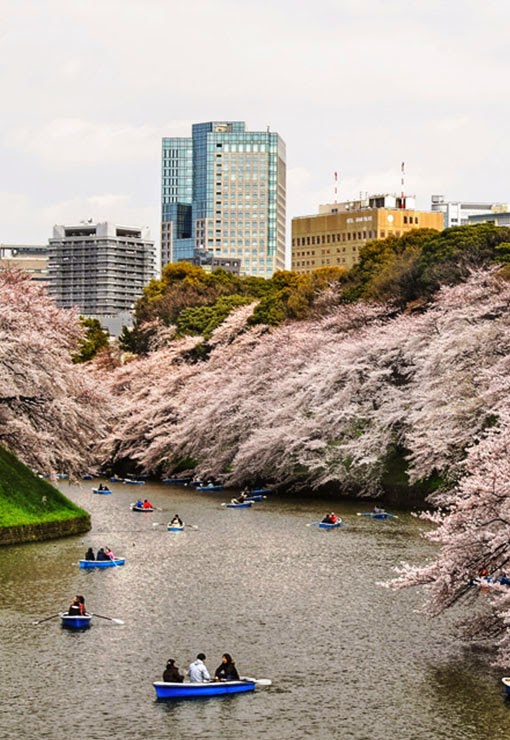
<point>334,236</point>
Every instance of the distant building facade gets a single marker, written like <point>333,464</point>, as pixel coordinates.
<point>334,236</point>
<point>499,219</point>
<point>223,190</point>
<point>32,259</point>
<point>208,262</point>
<point>458,213</point>
<point>100,268</point>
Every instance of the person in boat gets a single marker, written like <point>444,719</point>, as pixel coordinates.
<point>89,555</point>
<point>101,555</point>
<point>77,607</point>
<point>330,518</point>
<point>227,670</point>
<point>109,554</point>
<point>378,510</point>
<point>197,670</point>
<point>171,673</point>
<point>147,505</point>
<point>100,487</point>
<point>176,522</point>
<point>139,504</point>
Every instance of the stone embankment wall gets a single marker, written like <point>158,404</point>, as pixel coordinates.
<point>43,531</point>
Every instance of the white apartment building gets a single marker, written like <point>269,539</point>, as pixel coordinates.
<point>101,268</point>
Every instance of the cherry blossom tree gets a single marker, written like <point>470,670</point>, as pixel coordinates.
<point>49,408</point>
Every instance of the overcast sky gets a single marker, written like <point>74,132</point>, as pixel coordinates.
<point>89,87</point>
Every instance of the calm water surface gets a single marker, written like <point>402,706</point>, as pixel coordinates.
<point>300,605</point>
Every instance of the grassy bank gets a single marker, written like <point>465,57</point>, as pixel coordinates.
<point>29,502</point>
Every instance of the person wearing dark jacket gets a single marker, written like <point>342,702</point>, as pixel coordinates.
<point>227,670</point>
<point>171,673</point>
<point>101,555</point>
<point>89,555</point>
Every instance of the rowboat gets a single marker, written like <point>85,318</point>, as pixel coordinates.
<point>133,482</point>
<point>378,514</point>
<point>104,491</point>
<point>175,528</point>
<point>243,505</point>
<point>102,563</point>
<point>62,476</point>
<point>114,479</point>
<point>209,487</point>
<point>254,499</point>
<point>192,690</point>
<point>71,622</point>
<point>177,481</point>
<point>331,525</point>
<point>87,476</point>
<point>134,507</point>
<point>506,684</point>
<point>259,490</point>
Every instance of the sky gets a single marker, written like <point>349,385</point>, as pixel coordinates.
<point>89,87</point>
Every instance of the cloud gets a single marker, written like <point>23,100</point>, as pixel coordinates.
<point>67,142</point>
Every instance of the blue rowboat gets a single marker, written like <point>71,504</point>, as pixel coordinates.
<point>71,622</point>
<point>102,563</point>
<point>114,479</point>
<point>244,505</point>
<point>259,490</point>
<point>378,515</point>
<point>104,491</point>
<point>134,507</point>
<point>133,482</point>
<point>331,525</point>
<point>506,684</point>
<point>177,481</point>
<point>209,487</point>
<point>87,476</point>
<point>193,690</point>
<point>175,528</point>
<point>254,499</point>
<point>62,476</point>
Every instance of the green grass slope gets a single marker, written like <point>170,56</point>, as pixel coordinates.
<point>26,499</point>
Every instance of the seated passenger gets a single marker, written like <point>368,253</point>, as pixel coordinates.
<point>171,673</point>
<point>89,555</point>
<point>147,505</point>
<point>227,670</point>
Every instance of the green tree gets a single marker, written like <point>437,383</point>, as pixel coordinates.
<point>96,338</point>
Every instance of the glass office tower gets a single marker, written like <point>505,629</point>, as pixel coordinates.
<point>224,191</point>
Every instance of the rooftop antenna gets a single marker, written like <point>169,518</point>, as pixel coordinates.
<point>402,195</point>
<point>335,175</point>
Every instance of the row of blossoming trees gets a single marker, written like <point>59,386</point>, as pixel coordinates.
<point>312,403</point>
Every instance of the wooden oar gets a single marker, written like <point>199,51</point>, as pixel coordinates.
<point>110,619</point>
<point>40,621</point>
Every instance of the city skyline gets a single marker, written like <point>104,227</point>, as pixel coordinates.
<point>352,87</point>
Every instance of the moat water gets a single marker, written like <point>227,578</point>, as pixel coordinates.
<point>296,604</point>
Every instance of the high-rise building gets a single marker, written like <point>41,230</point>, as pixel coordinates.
<point>223,190</point>
<point>458,213</point>
<point>100,268</point>
<point>334,236</point>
